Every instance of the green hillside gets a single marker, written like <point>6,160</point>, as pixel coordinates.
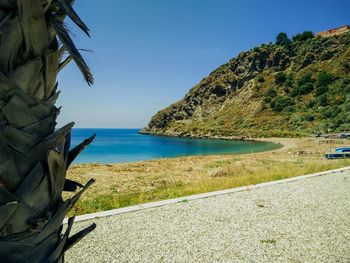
<point>289,88</point>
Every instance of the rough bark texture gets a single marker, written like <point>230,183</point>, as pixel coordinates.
<point>34,156</point>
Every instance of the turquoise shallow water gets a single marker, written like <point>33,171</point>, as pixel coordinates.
<point>126,145</point>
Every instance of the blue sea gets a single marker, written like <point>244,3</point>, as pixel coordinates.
<point>126,145</point>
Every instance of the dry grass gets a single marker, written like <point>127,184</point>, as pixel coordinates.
<point>120,185</point>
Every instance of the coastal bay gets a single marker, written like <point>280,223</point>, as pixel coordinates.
<point>125,184</point>
<point>128,145</point>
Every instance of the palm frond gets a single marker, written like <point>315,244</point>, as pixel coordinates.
<point>78,236</point>
<point>33,24</point>
<point>67,8</point>
<point>33,155</point>
<point>78,149</point>
<point>65,62</point>
<point>71,186</point>
<point>69,45</point>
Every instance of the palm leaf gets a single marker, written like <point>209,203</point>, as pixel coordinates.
<point>67,8</point>
<point>68,43</point>
<point>34,27</point>
<point>33,155</point>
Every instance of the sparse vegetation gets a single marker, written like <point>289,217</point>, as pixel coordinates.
<point>303,36</point>
<point>317,89</point>
<point>324,79</point>
<point>123,185</point>
<point>282,39</point>
<point>270,94</point>
<point>280,78</point>
<point>281,103</point>
<point>268,241</point>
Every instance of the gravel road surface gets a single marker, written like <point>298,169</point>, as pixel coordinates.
<point>302,221</point>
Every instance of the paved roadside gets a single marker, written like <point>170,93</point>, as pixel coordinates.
<point>307,220</point>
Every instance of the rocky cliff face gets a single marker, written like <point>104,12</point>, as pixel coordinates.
<point>271,90</point>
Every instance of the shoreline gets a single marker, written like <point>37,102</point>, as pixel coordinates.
<point>276,145</point>
<point>282,141</point>
<point>208,137</point>
<point>125,184</point>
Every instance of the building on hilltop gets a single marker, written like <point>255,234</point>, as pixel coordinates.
<point>334,31</point>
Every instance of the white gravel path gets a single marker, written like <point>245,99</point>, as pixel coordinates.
<point>302,221</point>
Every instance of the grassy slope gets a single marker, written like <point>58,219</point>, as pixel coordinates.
<point>247,110</point>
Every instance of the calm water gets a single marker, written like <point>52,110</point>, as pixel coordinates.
<point>126,145</point>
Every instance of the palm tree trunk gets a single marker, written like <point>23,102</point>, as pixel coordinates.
<point>34,156</point>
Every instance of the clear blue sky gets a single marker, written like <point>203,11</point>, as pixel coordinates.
<point>148,53</point>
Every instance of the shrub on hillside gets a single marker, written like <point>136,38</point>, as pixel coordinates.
<point>303,36</point>
<point>309,59</point>
<point>306,78</point>
<point>261,79</point>
<point>308,117</point>
<point>305,88</point>
<point>294,92</point>
<point>324,78</point>
<point>346,65</point>
<point>267,99</point>
<point>304,85</point>
<point>282,39</point>
<point>281,103</point>
<point>321,90</point>
<point>346,80</point>
<point>289,108</point>
<point>337,122</point>
<point>312,103</point>
<point>269,94</point>
<point>336,111</point>
<point>323,100</point>
<point>286,89</point>
<point>347,106</point>
<point>280,78</point>
<point>290,80</point>
<point>327,55</point>
<point>327,113</point>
